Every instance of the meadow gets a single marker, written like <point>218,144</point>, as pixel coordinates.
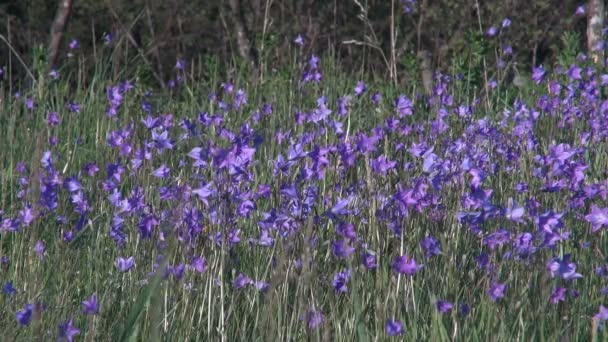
<point>311,205</point>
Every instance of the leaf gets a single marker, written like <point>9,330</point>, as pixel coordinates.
<point>130,331</point>
<point>362,334</point>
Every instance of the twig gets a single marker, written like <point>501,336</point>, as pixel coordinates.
<point>371,45</point>
<point>151,28</point>
<point>485,67</point>
<point>58,29</point>
<point>18,57</point>
<point>243,40</point>
<point>393,44</point>
<point>373,42</point>
<point>267,24</point>
<point>133,42</point>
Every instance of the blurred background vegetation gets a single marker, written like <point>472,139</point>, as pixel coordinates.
<point>381,37</point>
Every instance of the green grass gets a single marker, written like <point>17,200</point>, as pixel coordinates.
<point>135,306</point>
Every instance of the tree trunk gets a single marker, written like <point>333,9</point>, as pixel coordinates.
<point>58,29</point>
<point>426,70</point>
<point>595,23</point>
<point>243,40</point>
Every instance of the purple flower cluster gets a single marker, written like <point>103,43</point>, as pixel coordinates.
<point>342,197</point>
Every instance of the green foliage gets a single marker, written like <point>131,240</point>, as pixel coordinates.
<point>133,305</point>
<point>570,47</point>
<point>167,30</point>
<point>411,65</point>
<point>132,325</point>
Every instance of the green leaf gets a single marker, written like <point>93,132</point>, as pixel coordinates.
<point>131,329</point>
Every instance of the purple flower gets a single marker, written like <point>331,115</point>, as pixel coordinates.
<point>340,207</point>
<point>67,330</point>
<point>74,44</point>
<point>524,245</point>
<point>74,107</point>
<point>161,139</point>
<point>107,38</point>
<point>549,221</point>
<point>162,172</point>
<point>199,264</point>
<point>394,328</point>
<point>513,212</point>
<point>497,238</point>
<point>180,64</point>
<point>90,306</point>
<point>575,73</point>
<point>91,169</point>
<point>125,265</point>
<point>240,99</point>
<point>405,265</point>
<point>464,309</point>
<point>382,165</point>
<point>8,288</point>
<point>146,225</point>
<point>359,88</point>
<point>496,291</point>
<point>314,319</point>
<point>241,281</point>
<point>228,87</point>
<point>346,230</point>
<point>538,74</point>
<point>26,215</point>
<point>299,40</point>
<point>261,285</point>
<point>367,144</point>
<point>369,260</point>
<point>205,191</point>
<point>313,62</point>
<point>482,260</point>
<point>601,316</point>
<point>491,32</point>
<point>24,316</point>
<point>431,247</point>
<point>342,249</point>
<point>21,167</point>
<point>563,268</point>
<point>265,239</point>
<point>72,184</point>
<point>444,306</point>
<point>376,98</point>
<point>340,281</point>
<point>40,249</point>
<point>52,119</point>
<point>178,271</point>
<point>150,122</point>
<point>29,103</point>
<point>404,106</point>
<point>47,160</point>
<point>580,10</point>
<point>558,295</point>
<point>506,22</point>
<point>598,217</point>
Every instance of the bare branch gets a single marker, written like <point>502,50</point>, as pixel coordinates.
<point>243,41</point>
<point>595,22</point>
<point>57,30</point>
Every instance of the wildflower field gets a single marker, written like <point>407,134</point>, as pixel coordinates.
<point>313,204</point>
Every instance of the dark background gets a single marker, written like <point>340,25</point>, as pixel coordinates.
<point>153,34</point>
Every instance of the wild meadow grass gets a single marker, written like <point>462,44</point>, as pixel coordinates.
<point>309,206</point>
